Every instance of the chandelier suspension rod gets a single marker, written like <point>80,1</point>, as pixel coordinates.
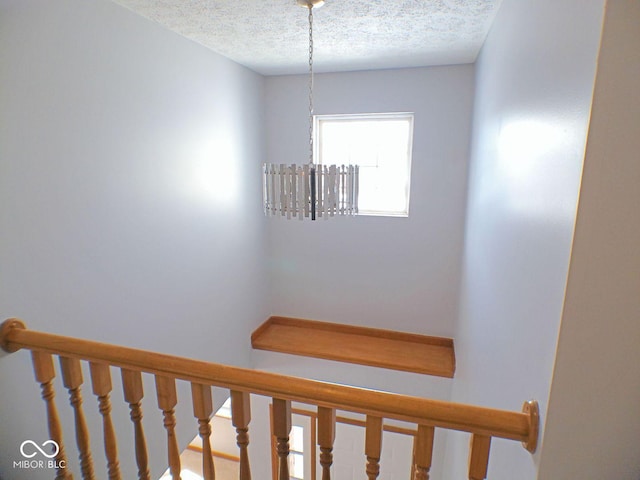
<point>310,84</point>
<point>312,170</point>
<point>310,190</point>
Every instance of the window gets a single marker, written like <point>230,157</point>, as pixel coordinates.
<point>381,145</point>
<point>296,453</point>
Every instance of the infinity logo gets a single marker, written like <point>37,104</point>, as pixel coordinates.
<point>37,447</point>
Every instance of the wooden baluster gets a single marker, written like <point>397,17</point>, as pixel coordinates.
<point>240,417</point>
<point>45,373</point>
<point>423,452</point>
<point>167,400</point>
<point>281,430</point>
<point>202,410</point>
<point>412,475</point>
<point>373,446</point>
<point>326,437</point>
<point>133,393</point>
<point>101,382</point>
<point>72,379</point>
<point>479,457</point>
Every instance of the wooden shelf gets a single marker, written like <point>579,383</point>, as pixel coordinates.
<point>362,345</point>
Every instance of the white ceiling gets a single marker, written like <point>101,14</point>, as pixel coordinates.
<point>271,36</point>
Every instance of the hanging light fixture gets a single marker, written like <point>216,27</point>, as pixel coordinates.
<point>311,190</point>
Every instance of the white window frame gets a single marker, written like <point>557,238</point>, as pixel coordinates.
<point>293,452</point>
<point>318,151</point>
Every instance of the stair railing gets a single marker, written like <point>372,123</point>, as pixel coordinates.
<point>482,423</point>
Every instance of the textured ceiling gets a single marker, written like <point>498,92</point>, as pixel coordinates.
<point>271,36</point>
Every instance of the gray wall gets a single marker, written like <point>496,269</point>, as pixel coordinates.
<point>399,273</point>
<point>395,273</point>
<point>534,85</point>
<point>130,211</point>
<point>129,204</point>
<point>593,424</point>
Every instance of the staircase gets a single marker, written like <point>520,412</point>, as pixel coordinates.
<point>325,401</point>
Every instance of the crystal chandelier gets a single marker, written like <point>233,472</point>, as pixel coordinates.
<point>311,190</point>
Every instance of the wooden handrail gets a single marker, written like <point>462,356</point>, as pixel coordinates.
<point>521,426</point>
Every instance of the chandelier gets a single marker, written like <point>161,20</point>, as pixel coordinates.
<point>311,190</point>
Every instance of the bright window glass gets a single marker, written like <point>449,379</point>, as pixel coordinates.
<point>296,455</point>
<point>381,145</point>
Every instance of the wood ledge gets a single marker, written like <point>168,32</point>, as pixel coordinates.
<point>375,347</point>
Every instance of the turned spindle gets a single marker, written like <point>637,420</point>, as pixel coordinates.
<point>45,373</point>
<point>281,430</point>
<point>167,400</point>
<point>101,383</point>
<point>202,410</point>
<point>373,446</point>
<point>479,457</point>
<point>423,452</point>
<point>240,417</point>
<point>133,393</point>
<point>326,438</point>
<point>72,379</point>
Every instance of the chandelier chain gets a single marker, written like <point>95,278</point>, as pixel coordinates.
<point>310,83</point>
<point>309,191</point>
